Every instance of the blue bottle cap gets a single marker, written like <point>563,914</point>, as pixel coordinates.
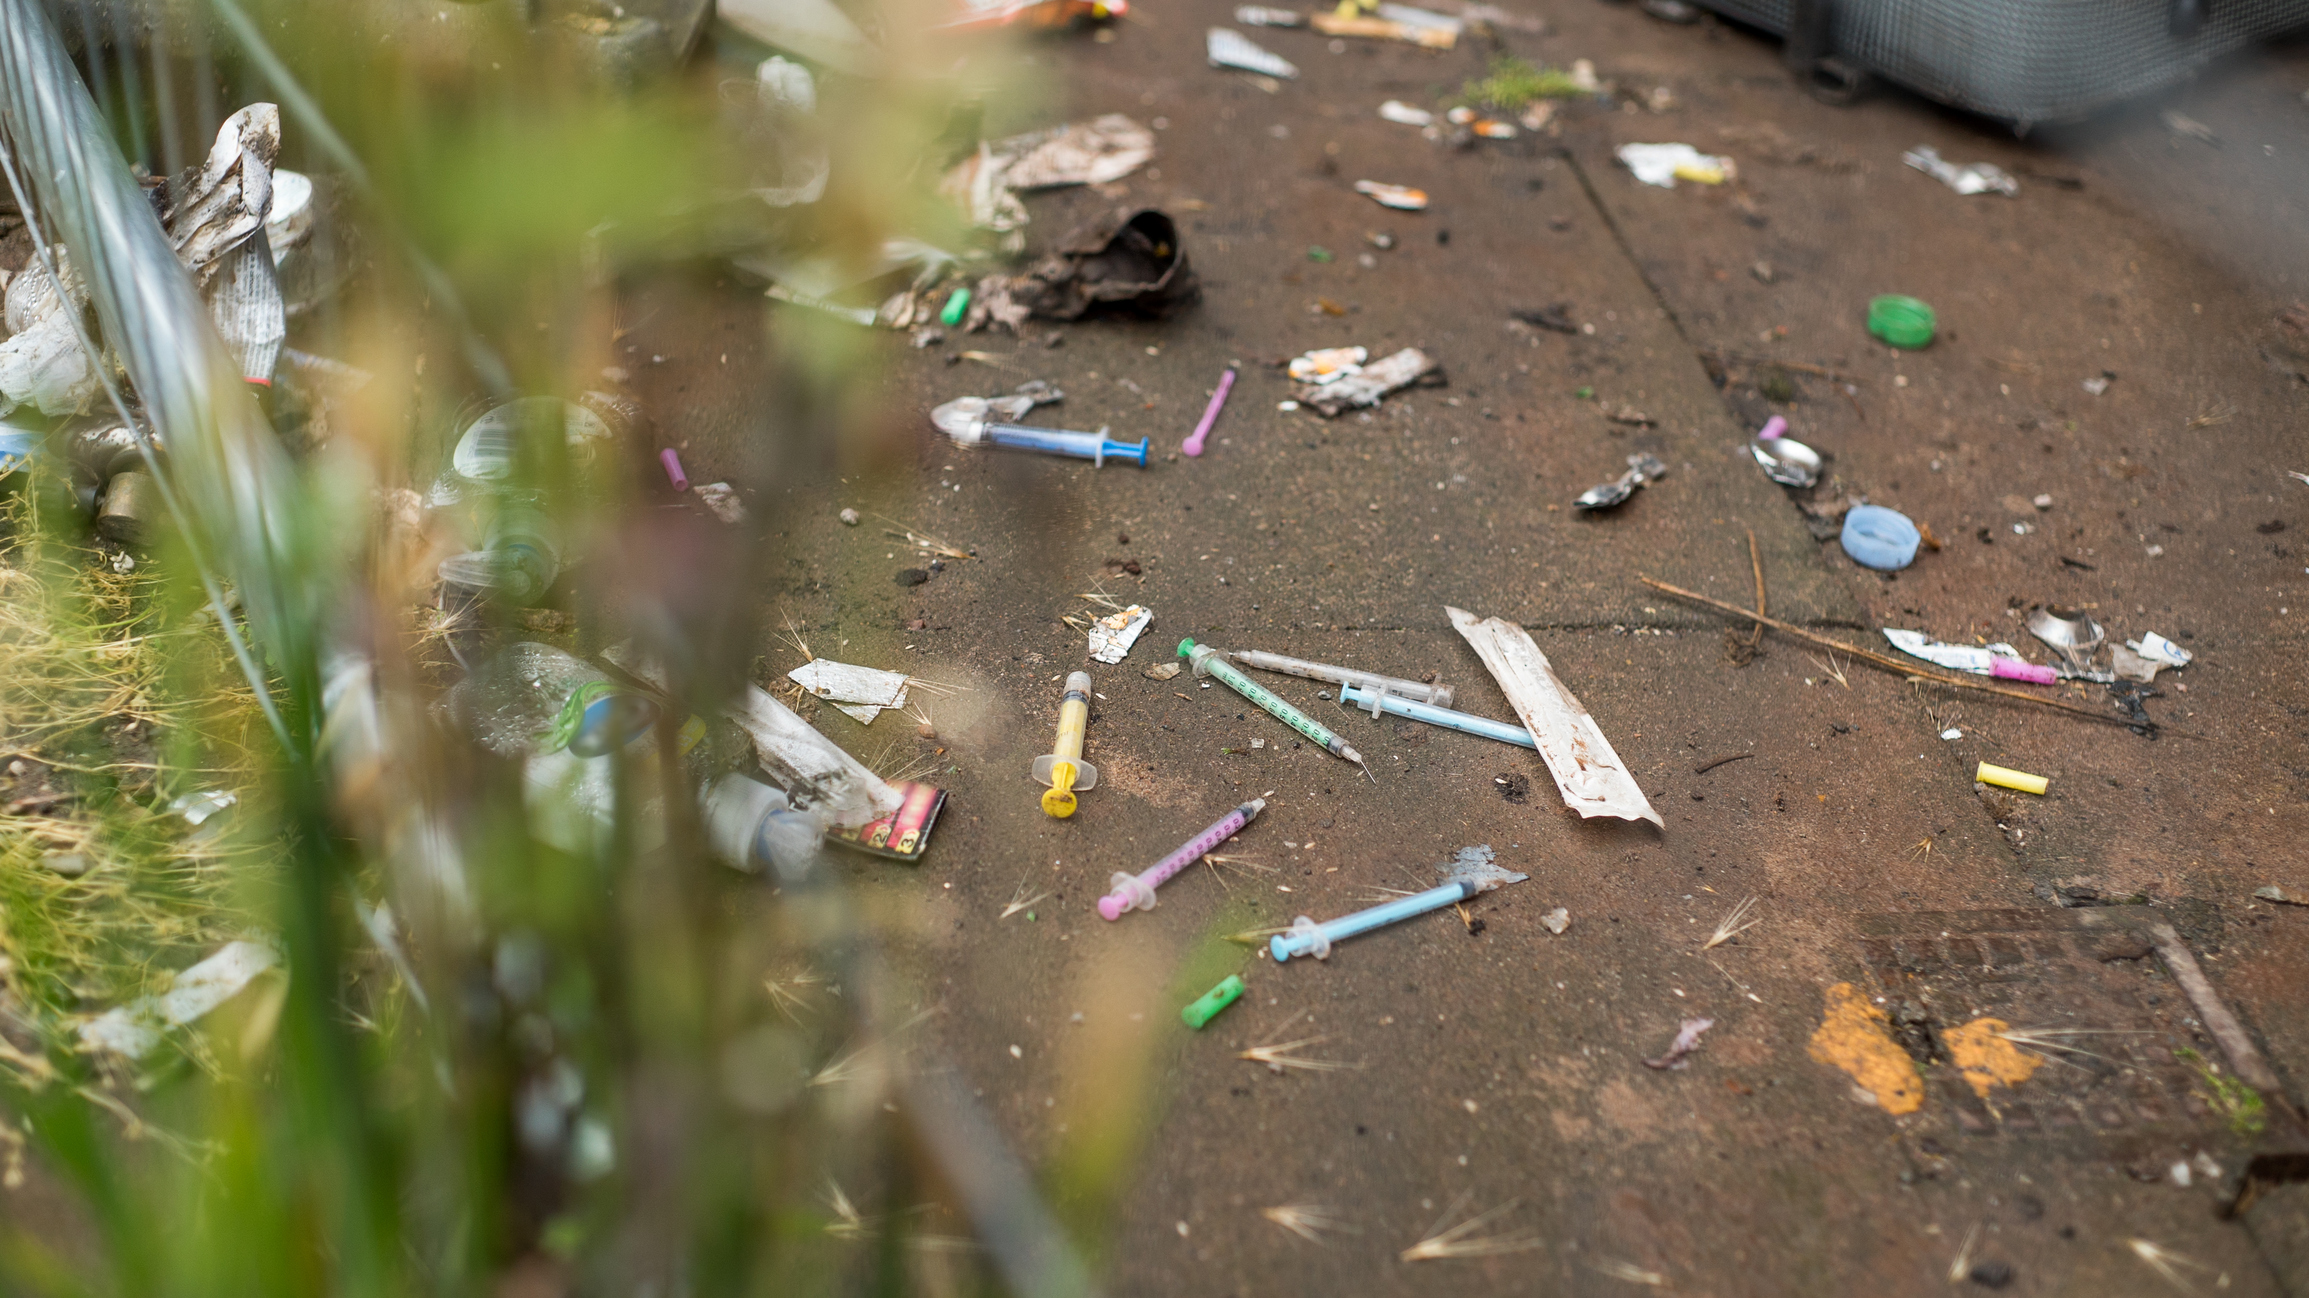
<point>1880,538</point>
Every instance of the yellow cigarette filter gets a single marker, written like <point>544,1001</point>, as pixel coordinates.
<point>1063,768</point>
<point>2009,779</point>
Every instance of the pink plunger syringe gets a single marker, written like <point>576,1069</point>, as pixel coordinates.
<point>1137,891</point>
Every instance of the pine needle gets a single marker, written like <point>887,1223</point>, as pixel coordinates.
<point>1731,926</point>
<point>1278,1057</point>
<point>1019,901</point>
<point>1308,1221</point>
<point>1466,1238</point>
<point>2166,1263</point>
<point>1962,1266</point>
<point>1631,1273</point>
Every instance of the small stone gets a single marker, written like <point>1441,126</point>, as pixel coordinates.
<point>1556,921</point>
<point>70,865</point>
<point>1162,671</point>
<point>926,731</point>
<point>850,518</point>
<point>1762,270</point>
<point>918,624</point>
<point>1992,1275</point>
<point>911,576</point>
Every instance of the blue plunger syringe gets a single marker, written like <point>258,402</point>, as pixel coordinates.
<point>1465,722</point>
<point>1470,873</point>
<point>973,428</point>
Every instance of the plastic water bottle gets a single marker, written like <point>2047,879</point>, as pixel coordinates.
<point>518,559</point>
<point>752,826</point>
<point>572,731</point>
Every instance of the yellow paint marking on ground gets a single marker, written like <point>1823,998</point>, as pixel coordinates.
<point>1854,1037</point>
<point>1979,1048</point>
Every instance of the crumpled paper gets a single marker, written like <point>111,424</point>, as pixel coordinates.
<point>228,199</point>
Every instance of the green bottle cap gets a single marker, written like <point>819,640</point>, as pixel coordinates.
<point>1903,322</point>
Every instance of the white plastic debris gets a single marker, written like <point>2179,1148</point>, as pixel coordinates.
<point>817,30</point>
<point>135,1028</point>
<point>860,692</point>
<point>41,362</point>
<point>1263,16</point>
<point>1423,20</point>
<point>1952,732</point>
<point>1590,776</point>
<point>2098,384</point>
<point>1977,659</point>
<point>1556,921</point>
<point>2156,648</point>
<point>816,774</point>
<point>1403,114</point>
<point>1971,178</point>
<point>1664,164</point>
<point>1112,636</point>
<point>722,499</point>
<point>1403,198</point>
<point>1328,364</point>
<point>1368,385</point>
<point>1227,48</point>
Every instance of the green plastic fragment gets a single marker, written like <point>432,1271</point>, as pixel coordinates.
<point>1317,252</point>
<point>956,304</point>
<point>1207,1007</point>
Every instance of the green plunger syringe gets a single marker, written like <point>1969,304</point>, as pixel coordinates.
<point>1213,662</point>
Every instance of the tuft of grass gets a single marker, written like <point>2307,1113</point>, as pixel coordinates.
<point>2237,1104</point>
<point>1515,84</point>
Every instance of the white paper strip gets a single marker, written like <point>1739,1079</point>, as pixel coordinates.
<point>1589,774</point>
<point>861,692</point>
<point>135,1028</point>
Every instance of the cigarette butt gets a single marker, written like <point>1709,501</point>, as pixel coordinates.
<point>2010,779</point>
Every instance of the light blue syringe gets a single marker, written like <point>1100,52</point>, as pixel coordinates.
<point>1467,874</point>
<point>1466,722</point>
<point>1096,447</point>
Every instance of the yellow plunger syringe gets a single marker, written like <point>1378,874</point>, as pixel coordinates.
<point>1064,770</point>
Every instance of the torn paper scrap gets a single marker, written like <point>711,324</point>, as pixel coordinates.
<point>1664,164</point>
<point>1112,636</point>
<point>1095,152</point>
<point>1978,659</point>
<point>1589,774</point>
<point>1227,48</point>
<point>860,692</point>
<point>135,1028</point>
<point>217,208</point>
<point>1369,385</point>
<point>815,773</point>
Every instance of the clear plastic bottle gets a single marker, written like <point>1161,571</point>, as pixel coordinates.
<point>519,556</point>
<point>752,826</point>
<point>519,705</point>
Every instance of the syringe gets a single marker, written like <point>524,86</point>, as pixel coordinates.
<point>1208,661</point>
<point>1376,702</point>
<point>1137,891</point>
<point>1438,694</point>
<point>1470,873</point>
<point>1096,447</point>
<point>1063,768</point>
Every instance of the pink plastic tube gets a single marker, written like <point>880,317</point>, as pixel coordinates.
<point>1136,891</point>
<point>673,473</point>
<point>1773,427</point>
<point>1194,444</point>
<point>2013,669</point>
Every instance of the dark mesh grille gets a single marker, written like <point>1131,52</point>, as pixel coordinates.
<point>2031,60</point>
